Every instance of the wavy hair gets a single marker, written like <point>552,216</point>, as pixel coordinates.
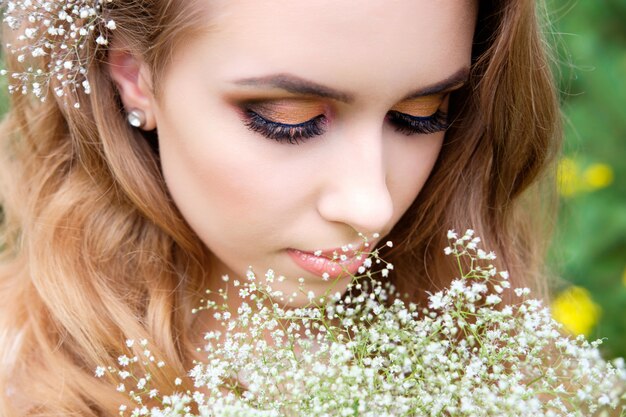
<point>94,250</point>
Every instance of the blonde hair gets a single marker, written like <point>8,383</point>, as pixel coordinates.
<point>94,251</point>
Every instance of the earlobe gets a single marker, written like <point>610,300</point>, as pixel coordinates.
<point>133,79</point>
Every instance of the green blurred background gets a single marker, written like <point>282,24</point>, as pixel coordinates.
<point>589,250</point>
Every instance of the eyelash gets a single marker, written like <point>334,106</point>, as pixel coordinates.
<point>285,132</point>
<point>410,125</point>
<point>405,124</point>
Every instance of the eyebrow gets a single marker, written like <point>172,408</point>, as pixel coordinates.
<point>298,85</point>
<point>453,81</point>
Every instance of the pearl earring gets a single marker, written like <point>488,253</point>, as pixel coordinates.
<point>136,118</point>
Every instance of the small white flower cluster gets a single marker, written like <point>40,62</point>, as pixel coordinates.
<point>128,382</point>
<point>54,32</point>
<point>368,353</point>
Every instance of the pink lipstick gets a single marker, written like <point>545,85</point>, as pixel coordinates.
<point>326,265</point>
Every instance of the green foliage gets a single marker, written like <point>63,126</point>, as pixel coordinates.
<point>590,247</point>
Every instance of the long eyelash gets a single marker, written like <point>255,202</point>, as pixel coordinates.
<point>285,132</point>
<point>411,125</point>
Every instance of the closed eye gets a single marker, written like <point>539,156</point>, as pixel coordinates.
<point>412,125</point>
<point>284,132</point>
<point>295,133</point>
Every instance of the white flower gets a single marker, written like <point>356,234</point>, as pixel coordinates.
<point>141,383</point>
<point>100,370</point>
<point>65,27</point>
<point>30,32</point>
<point>492,299</point>
<point>459,356</point>
<point>437,300</point>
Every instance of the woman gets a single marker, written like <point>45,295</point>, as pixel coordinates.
<point>219,135</point>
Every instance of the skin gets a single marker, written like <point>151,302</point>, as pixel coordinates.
<point>250,198</point>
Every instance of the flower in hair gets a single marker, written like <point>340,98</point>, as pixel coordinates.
<point>49,43</point>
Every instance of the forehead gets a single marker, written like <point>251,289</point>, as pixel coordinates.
<point>373,46</point>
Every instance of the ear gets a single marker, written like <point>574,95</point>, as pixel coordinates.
<point>133,79</point>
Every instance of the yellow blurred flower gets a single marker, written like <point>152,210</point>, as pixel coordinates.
<point>624,277</point>
<point>598,176</point>
<point>568,177</point>
<point>571,180</point>
<point>575,309</point>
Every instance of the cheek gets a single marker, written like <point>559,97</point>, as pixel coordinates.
<point>412,165</point>
<point>210,176</point>
<point>230,186</point>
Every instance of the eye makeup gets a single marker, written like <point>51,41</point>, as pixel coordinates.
<point>411,125</point>
<point>296,120</point>
<point>281,132</point>
<point>286,120</point>
<point>421,106</point>
<point>421,115</point>
<point>289,111</point>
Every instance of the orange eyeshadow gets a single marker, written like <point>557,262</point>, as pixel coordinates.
<point>420,107</point>
<point>289,111</point>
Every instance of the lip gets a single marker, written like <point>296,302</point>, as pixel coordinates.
<point>320,262</point>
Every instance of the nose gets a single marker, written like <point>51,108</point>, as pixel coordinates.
<point>356,191</point>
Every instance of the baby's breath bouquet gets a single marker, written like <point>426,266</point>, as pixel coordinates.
<point>368,353</point>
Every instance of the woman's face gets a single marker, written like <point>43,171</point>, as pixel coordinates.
<point>292,125</point>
